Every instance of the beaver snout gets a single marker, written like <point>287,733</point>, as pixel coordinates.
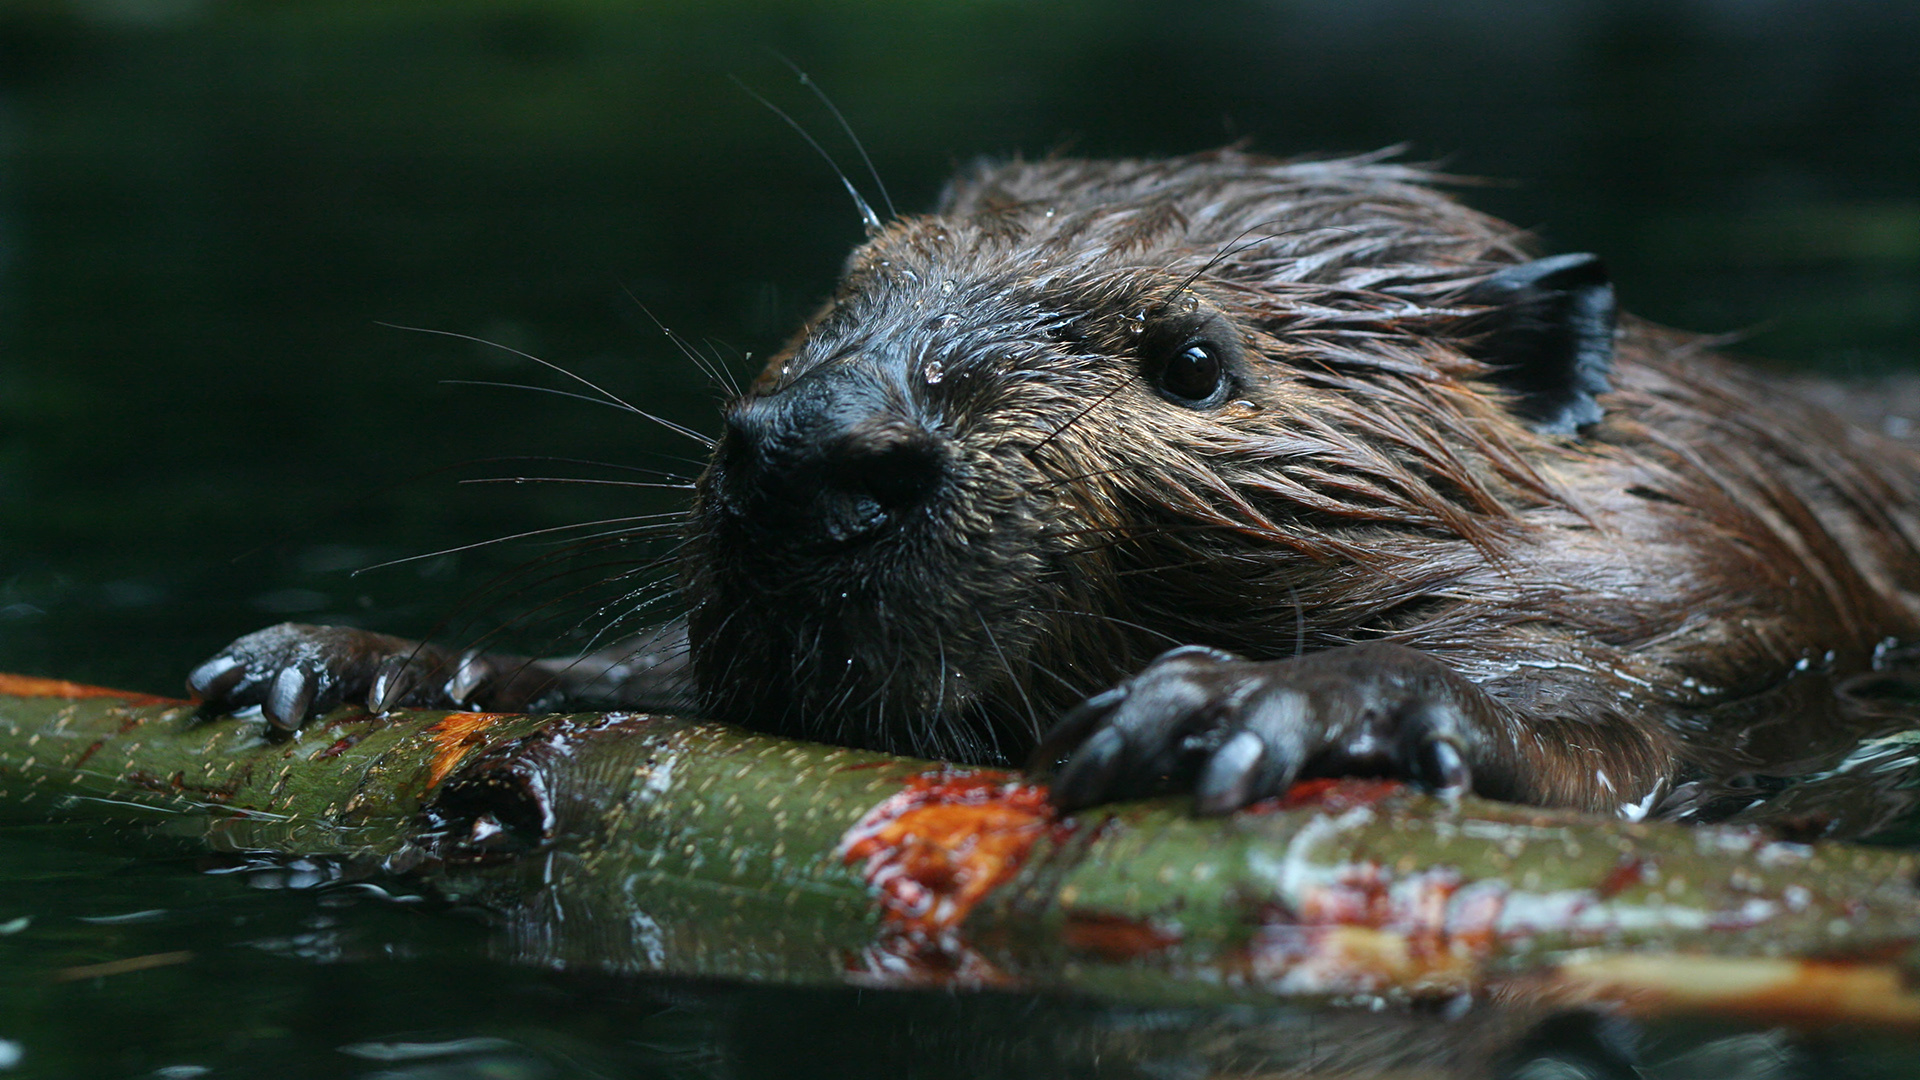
<point>834,456</point>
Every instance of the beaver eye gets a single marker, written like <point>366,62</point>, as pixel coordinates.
<point>1194,376</point>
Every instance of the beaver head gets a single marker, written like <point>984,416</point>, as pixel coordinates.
<point>1086,411</point>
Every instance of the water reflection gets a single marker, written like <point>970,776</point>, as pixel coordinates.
<point>394,993</point>
<point>1851,745</point>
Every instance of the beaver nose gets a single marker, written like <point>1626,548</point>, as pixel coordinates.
<point>828,456</point>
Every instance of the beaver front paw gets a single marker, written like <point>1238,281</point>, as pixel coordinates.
<point>1235,731</point>
<point>296,672</point>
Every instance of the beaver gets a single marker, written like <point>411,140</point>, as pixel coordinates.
<point>1215,472</point>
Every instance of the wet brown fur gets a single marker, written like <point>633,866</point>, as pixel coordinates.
<point>1646,599</point>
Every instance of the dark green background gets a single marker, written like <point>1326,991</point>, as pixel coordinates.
<point>208,209</point>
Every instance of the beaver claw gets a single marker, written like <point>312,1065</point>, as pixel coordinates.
<point>296,672</point>
<point>1234,731</point>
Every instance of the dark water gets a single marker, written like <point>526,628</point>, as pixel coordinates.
<point>207,212</point>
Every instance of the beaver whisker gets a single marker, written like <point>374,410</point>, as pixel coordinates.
<point>716,371</point>
<point>1164,568</point>
<point>666,524</point>
<point>1061,481</point>
<point>1076,418</point>
<point>806,658</point>
<point>555,609</point>
<point>721,380</point>
<point>686,485</point>
<point>560,607</point>
<point>676,516</point>
<point>868,218</point>
<point>633,602</point>
<point>606,397</point>
<point>548,459</point>
<point>876,705</point>
<point>941,671</point>
<point>1075,691</point>
<point>845,127</point>
<point>1109,617</point>
<point>534,389</point>
<point>1033,717</point>
<point>1139,537</point>
<point>1299,619</point>
<point>1227,249</point>
<point>596,579</point>
<point>653,588</point>
<point>523,581</point>
<point>835,707</point>
<point>1132,533</point>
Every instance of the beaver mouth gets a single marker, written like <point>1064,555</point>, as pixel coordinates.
<point>864,626</point>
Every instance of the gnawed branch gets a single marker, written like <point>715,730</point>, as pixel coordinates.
<point>637,842</point>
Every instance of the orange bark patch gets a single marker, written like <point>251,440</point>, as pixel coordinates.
<point>1115,937</point>
<point>1332,794</point>
<point>1631,870</point>
<point>339,746</point>
<point>935,848</point>
<point>456,736</point>
<point>29,686</point>
<point>1358,959</point>
<point>1777,990</point>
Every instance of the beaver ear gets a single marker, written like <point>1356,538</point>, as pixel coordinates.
<point>1550,341</point>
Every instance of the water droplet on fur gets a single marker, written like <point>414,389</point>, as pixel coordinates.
<point>947,287</point>
<point>935,371</point>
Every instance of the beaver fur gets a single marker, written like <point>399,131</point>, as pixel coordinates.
<point>1425,505</point>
